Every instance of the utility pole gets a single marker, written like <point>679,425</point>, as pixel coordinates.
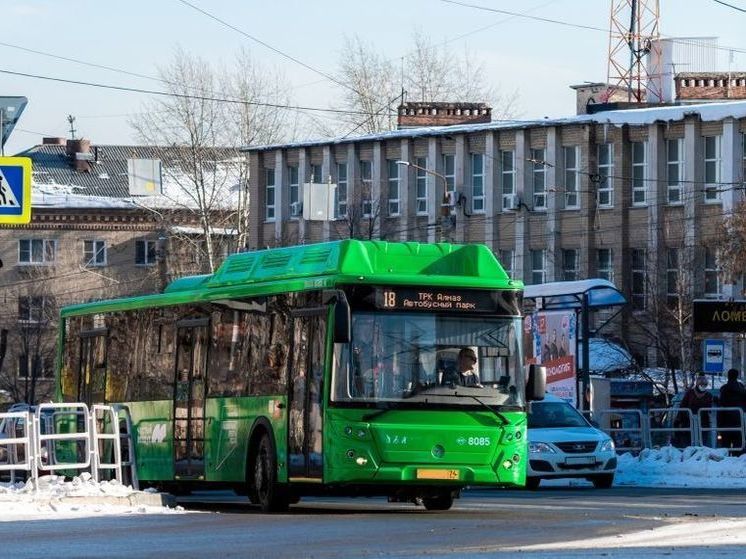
<point>71,120</point>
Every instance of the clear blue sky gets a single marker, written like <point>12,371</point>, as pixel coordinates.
<point>539,60</point>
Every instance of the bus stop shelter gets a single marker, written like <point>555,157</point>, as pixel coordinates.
<point>583,297</point>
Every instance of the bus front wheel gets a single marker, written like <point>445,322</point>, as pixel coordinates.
<point>270,495</point>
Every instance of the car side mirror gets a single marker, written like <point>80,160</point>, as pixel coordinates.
<point>536,386</point>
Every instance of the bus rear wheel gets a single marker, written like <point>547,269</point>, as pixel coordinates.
<point>442,501</point>
<point>270,495</point>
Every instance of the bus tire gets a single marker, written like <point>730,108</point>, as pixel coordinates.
<point>532,483</point>
<point>442,501</point>
<point>270,495</point>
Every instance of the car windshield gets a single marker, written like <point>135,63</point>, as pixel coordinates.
<point>429,358</point>
<point>554,414</point>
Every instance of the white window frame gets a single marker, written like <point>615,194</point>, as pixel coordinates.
<point>538,266</point>
<point>94,252</point>
<point>341,192</point>
<point>394,187</point>
<point>638,279</point>
<point>421,186</point>
<point>36,305</point>
<point>712,274</point>
<point>605,189</point>
<point>146,244</point>
<point>45,372</point>
<point>477,182</point>
<point>673,257</point>
<point>507,260</point>
<point>572,177</point>
<point>714,163</point>
<point>605,263</point>
<point>507,177</point>
<point>46,249</point>
<point>570,272</point>
<point>449,172</point>
<point>270,193</point>
<point>366,183</point>
<point>538,179</point>
<point>294,191</point>
<point>315,175</point>
<point>639,173</point>
<point>674,171</point>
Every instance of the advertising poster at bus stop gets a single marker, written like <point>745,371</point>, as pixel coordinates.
<point>550,338</point>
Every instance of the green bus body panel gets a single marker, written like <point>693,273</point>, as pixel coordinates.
<point>390,448</point>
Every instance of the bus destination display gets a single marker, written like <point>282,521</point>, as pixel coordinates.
<point>429,299</point>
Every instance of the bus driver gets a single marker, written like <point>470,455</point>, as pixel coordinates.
<point>464,373</point>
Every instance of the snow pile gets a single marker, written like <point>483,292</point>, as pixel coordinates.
<point>80,496</point>
<point>692,467</point>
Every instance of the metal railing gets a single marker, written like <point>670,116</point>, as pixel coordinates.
<point>10,443</point>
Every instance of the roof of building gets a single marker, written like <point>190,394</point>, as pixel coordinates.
<point>635,117</point>
<point>105,182</point>
<point>710,75</point>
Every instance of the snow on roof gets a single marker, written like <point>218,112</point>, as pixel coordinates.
<point>635,117</point>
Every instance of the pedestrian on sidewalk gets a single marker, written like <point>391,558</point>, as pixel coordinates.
<point>732,395</point>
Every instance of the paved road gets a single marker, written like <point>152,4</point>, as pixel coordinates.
<point>481,524</point>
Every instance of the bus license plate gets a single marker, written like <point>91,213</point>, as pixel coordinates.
<point>579,460</point>
<point>438,474</point>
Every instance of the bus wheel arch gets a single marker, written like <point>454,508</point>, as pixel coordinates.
<point>261,469</point>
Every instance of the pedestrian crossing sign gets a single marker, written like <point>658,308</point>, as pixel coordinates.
<point>15,190</point>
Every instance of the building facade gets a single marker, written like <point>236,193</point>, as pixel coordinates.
<point>632,196</point>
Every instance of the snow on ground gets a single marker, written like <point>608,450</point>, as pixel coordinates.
<point>81,496</point>
<point>699,467</point>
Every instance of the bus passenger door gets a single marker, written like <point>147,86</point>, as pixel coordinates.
<point>305,453</point>
<point>189,399</point>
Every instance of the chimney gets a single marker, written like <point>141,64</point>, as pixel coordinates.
<point>79,154</point>
<point>418,114</point>
<point>52,141</point>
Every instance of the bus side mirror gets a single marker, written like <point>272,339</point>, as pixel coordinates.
<point>342,322</point>
<point>537,382</point>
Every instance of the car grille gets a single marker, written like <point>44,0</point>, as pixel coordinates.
<point>579,447</point>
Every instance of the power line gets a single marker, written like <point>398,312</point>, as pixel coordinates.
<point>730,6</point>
<point>181,95</point>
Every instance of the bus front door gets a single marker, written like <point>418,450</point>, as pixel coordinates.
<point>189,399</point>
<point>305,456</point>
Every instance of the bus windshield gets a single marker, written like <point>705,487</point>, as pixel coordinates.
<point>430,358</point>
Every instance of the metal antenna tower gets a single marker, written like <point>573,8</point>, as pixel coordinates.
<point>71,120</point>
<point>635,49</point>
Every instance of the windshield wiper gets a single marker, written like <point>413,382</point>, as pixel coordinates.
<point>496,413</point>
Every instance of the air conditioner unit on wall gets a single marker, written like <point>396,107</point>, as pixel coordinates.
<point>511,202</point>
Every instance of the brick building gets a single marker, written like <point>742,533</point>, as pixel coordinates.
<point>633,196</point>
<point>90,239</point>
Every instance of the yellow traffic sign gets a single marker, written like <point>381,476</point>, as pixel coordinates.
<point>15,189</point>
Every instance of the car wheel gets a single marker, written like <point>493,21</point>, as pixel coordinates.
<point>602,481</point>
<point>532,483</point>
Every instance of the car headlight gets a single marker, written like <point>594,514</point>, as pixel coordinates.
<point>607,446</point>
<point>535,448</point>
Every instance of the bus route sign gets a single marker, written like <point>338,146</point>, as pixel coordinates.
<point>15,190</point>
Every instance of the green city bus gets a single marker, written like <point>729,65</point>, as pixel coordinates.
<point>316,370</point>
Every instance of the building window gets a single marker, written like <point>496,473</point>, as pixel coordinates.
<point>712,273</point>
<point>269,176</point>
<point>639,184</point>
<point>37,251</point>
<point>293,192</point>
<point>35,366</point>
<point>449,172</point>
<point>712,168</point>
<point>145,253</point>
<point>638,279</point>
<point>316,176</point>
<point>606,176</point>
<point>674,169</point>
<point>538,266</point>
<point>341,192</point>
<point>507,259</point>
<point>421,180</point>
<point>477,182</point>
<point>393,180</point>
<point>572,178</point>
<point>94,253</point>
<point>539,179</point>
<point>672,275</point>
<point>570,264</point>
<point>33,309</point>
<point>507,174</point>
<point>366,181</point>
<point>606,264</point>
